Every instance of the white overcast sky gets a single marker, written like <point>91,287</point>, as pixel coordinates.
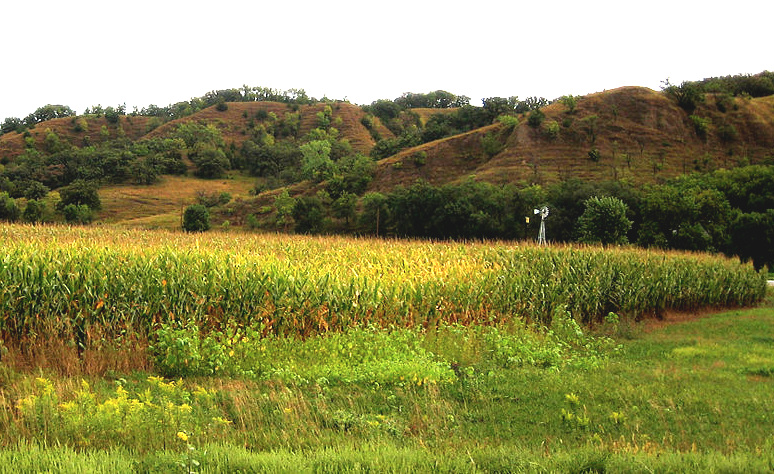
<point>82,52</point>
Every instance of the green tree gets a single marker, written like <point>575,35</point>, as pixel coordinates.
<point>604,221</point>
<point>344,207</point>
<point>9,211</point>
<point>196,218</point>
<point>309,215</point>
<point>211,162</point>
<point>34,211</point>
<point>78,214</point>
<point>535,118</point>
<point>80,192</point>
<point>752,237</point>
<point>316,163</point>
<point>688,95</point>
<point>284,204</point>
<point>375,212</point>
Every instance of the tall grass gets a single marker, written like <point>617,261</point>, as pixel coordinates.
<point>88,284</point>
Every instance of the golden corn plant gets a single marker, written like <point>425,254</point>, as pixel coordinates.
<point>68,281</point>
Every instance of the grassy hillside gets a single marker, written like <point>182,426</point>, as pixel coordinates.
<point>631,134</point>
<point>640,134</point>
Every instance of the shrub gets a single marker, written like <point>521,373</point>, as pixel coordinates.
<point>9,211</point>
<point>508,120</point>
<point>111,115</point>
<point>211,163</point>
<point>604,221</point>
<point>196,218</point>
<point>77,214</point>
<point>701,125</point>
<point>570,102</point>
<point>688,95</point>
<point>33,212</point>
<point>551,129</point>
<point>491,144</point>
<point>80,192</point>
<point>536,118</point>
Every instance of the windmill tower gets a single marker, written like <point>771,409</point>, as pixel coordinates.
<point>543,211</point>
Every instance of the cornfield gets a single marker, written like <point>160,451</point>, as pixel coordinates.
<point>61,282</point>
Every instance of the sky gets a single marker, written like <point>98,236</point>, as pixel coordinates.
<point>82,53</point>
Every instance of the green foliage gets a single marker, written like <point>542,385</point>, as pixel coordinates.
<point>344,207</point>
<point>212,199</point>
<point>497,106</point>
<point>211,163</point>
<point>438,99</point>
<point>309,215</point>
<point>112,115</point>
<point>594,155</point>
<point>509,120</point>
<point>700,125</point>
<point>196,218</point>
<point>569,101</point>
<point>604,221</point>
<point>77,214</point>
<point>147,416</point>
<point>194,134</point>
<point>591,126</point>
<point>375,212</point>
<point>685,218</point>
<point>9,211</point>
<point>284,204</point>
<point>48,112</point>
<point>34,211</point>
<point>12,124</point>
<point>491,144</point>
<point>535,118</point>
<point>316,163</point>
<point>390,146</point>
<point>688,95</point>
<point>80,192</point>
<point>551,129</point>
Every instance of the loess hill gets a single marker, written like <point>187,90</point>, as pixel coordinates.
<point>630,133</point>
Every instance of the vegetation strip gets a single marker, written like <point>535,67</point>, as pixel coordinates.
<point>96,284</point>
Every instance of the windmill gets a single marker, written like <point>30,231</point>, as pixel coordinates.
<point>543,211</point>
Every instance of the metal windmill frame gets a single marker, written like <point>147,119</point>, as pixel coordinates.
<point>543,211</point>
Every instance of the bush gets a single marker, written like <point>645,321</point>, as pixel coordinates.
<point>33,212</point>
<point>536,118</point>
<point>551,129</point>
<point>196,218</point>
<point>77,214</point>
<point>508,120</point>
<point>491,144</point>
<point>9,211</point>
<point>701,125</point>
<point>604,221</point>
<point>211,163</point>
<point>80,192</point>
<point>688,95</point>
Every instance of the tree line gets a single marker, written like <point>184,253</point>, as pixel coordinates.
<point>728,211</point>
